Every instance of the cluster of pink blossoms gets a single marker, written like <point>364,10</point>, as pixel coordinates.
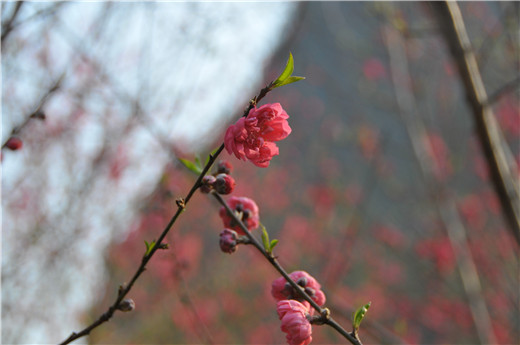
<point>293,310</point>
<point>252,137</point>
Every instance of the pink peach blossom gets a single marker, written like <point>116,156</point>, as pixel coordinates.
<point>252,137</point>
<point>293,315</point>
<point>248,210</point>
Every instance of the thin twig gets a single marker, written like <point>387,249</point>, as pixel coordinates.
<point>504,89</point>
<point>181,206</point>
<point>8,26</point>
<point>38,113</point>
<point>185,298</point>
<point>274,262</point>
<point>43,12</point>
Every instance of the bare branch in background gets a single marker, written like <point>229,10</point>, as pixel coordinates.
<point>504,174</point>
<point>8,25</point>
<point>504,89</point>
<point>38,113</point>
<point>446,207</point>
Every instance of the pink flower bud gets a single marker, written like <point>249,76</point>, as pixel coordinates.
<point>224,184</point>
<point>14,143</point>
<point>207,184</point>
<point>252,137</point>
<point>293,315</point>
<point>224,167</point>
<point>228,241</point>
<point>244,208</point>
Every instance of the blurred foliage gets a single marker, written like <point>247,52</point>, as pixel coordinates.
<point>103,95</point>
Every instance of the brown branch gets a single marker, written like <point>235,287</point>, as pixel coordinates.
<point>181,206</point>
<point>503,173</point>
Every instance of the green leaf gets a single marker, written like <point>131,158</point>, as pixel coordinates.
<point>289,80</point>
<point>149,247</point>
<point>359,315</point>
<point>191,166</point>
<point>197,162</point>
<point>265,239</point>
<point>273,244</point>
<point>289,68</point>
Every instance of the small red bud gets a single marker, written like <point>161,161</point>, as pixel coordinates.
<point>207,184</point>
<point>224,184</point>
<point>14,143</point>
<point>302,282</point>
<point>228,241</point>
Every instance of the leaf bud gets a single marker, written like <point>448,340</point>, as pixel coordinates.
<point>126,305</point>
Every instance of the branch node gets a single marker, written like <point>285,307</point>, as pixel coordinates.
<point>321,319</point>
<point>180,203</point>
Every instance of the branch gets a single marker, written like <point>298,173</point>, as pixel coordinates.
<point>181,206</point>
<point>8,26</point>
<point>37,113</point>
<point>503,173</point>
<point>274,262</point>
<point>504,89</point>
<point>445,206</point>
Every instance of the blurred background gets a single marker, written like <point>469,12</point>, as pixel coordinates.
<point>381,192</point>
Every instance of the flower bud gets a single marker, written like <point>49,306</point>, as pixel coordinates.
<point>310,291</point>
<point>14,143</point>
<point>224,184</point>
<point>224,167</point>
<point>228,241</point>
<point>302,281</point>
<point>207,184</point>
<point>126,305</point>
